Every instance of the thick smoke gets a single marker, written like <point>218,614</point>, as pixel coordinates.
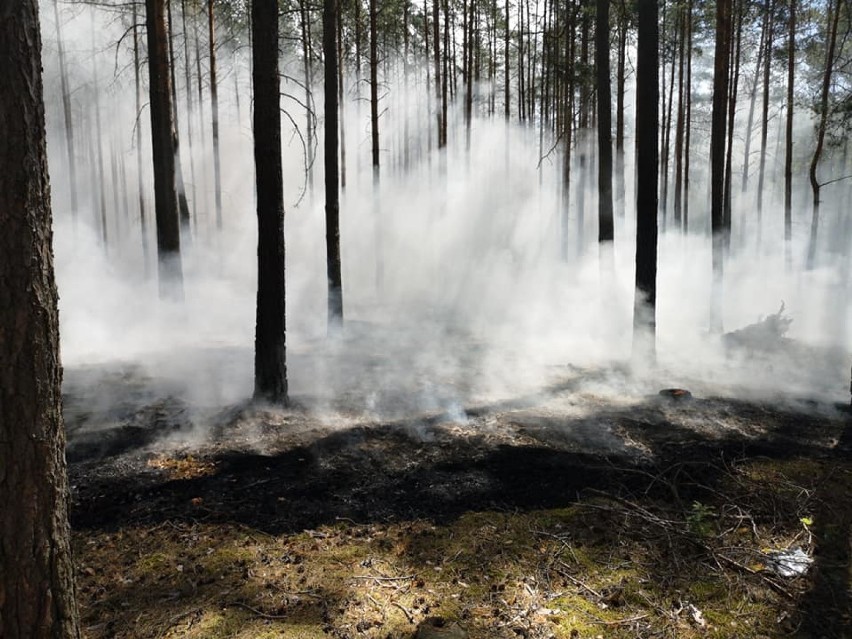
<point>475,304</point>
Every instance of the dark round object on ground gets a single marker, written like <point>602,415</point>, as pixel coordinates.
<point>676,393</point>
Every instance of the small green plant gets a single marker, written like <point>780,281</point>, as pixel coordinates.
<point>700,519</point>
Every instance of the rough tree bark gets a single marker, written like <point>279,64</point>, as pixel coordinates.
<point>270,343</point>
<point>37,598</point>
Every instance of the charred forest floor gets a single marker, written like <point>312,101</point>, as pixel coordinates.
<point>552,516</point>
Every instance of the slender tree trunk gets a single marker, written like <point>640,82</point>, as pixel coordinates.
<point>764,120</point>
<point>140,167</point>
<point>201,117</point>
<point>718,139</point>
<point>679,127</point>
<point>831,33</point>
<point>183,206</point>
<point>619,106</point>
<point>332,195</point>
<point>374,89</point>
<point>436,21</point>
<point>37,595</point>
<point>647,167</point>
<point>214,109</point>
<point>187,67</point>
<point>736,47</point>
<point>667,137</point>
<point>468,96</point>
<point>446,75</point>
<point>270,353</point>
<point>341,106</point>
<point>66,112</point>
<point>306,65</point>
<point>606,231</point>
<point>788,151</point>
<point>507,109</point>
<point>758,65</point>
<point>569,130</point>
<point>406,126</point>
<point>688,135</point>
<point>99,147</point>
<point>521,86</point>
<point>374,136</point>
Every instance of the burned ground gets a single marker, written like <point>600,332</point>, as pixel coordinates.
<point>630,518</point>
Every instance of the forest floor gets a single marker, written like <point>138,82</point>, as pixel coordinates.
<point>554,516</point>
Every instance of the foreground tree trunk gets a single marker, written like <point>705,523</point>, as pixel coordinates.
<point>36,575</point>
<point>270,344</point>
<point>647,167</point>
<point>332,192</point>
<point>162,138</point>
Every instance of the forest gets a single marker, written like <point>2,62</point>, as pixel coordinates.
<point>461,318</point>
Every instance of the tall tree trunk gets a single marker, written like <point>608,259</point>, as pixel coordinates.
<point>66,112</point>
<point>764,119</point>
<point>570,33</point>
<point>374,89</point>
<point>270,345</point>
<point>758,66</point>
<point>214,109</point>
<point>341,104</point>
<point>718,139</point>
<point>788,150</point>
<point>606,231</point>
<point>468,96</point>
<point>688,135</point>
<point>736,47</point>
<point>831,33</point>
<point>374,136</point>
<point>183,206</point>
<point>521,85</point>
<point>647,167</point>
<point>199,80</point>
<point>507,109</point>
<point>99,147</point>
<point>619,106</point>
<point>37,595</point>
<point>188,79</point>
<point>162,136</point>
<point>332,195</point>
<point>667,136</point>
<point>405,85</point>
<point>143,222</point>
<point>446,75</point>
<point>306,65</point>
<point>679,127</point>
<point>436,22</point>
